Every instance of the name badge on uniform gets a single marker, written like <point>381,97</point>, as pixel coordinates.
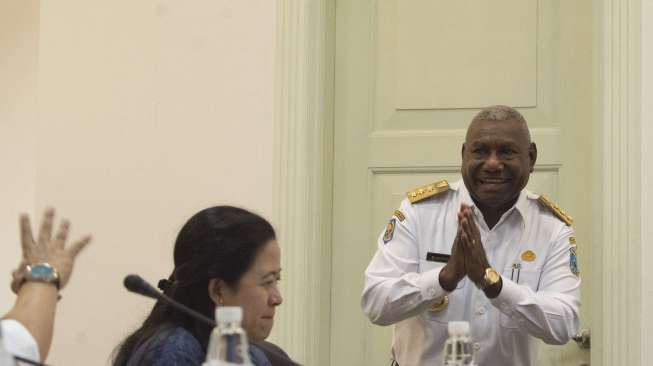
<point>437,257</point>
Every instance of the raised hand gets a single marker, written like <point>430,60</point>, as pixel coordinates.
<point>47,249</point>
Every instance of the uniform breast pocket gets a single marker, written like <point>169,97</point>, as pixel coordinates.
<point>523,277</point>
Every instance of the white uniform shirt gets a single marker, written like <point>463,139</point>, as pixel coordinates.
<point>541,300</point>
<point>18,341</point>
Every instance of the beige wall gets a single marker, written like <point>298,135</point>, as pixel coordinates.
<point>149,110</point>
<point>19,25</point>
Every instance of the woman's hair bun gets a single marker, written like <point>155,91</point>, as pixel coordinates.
<point>164,285</point>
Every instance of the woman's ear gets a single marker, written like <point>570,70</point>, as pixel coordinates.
<point>215,290</point>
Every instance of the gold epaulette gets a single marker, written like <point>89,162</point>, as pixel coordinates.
<point>427,191</point>
<point>560,213</point>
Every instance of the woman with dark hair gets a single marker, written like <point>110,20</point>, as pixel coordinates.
<point>223,256</point>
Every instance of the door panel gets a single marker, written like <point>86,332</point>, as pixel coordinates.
<point>426,35</point>
<point>410,75</point>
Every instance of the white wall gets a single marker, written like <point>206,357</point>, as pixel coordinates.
<point>149,111</point>
<point>647,180</point>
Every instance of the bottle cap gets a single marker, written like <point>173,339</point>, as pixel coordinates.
<point>458,328</point>
<point>228,314</point>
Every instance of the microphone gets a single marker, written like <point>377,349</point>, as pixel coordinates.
<point>134,283</point>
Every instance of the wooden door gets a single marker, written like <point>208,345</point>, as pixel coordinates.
<point>410,75</point>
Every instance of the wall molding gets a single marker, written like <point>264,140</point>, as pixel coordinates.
<point>453,132</point>
<point>617,316</point>
<point>444,169</point>
<point>303,175</point>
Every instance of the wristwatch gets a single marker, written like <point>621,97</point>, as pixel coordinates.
<point>41,272</point>
<point>491,277</point>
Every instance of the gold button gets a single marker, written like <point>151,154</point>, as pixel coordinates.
<point>528,256</point>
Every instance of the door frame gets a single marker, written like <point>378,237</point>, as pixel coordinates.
<point>304,178</point>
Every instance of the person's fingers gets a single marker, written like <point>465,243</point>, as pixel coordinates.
<point>461,215</point>
<point>15,285</point>
<point>79,245</point>
<point>464,239</point>
<point>456,249</point>
<point>469,213</point>
<point>472,219</point>
<point>62,234</point>
<point>467,228</point>
<point>26,239</point>
<point>45,233</point>
<point>470,227</point>
<point>466,258</point>
<point>463,209</point>
<point>477,232</point>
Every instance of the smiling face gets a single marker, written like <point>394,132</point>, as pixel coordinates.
<point>257,293</point>
<point>498,158</point>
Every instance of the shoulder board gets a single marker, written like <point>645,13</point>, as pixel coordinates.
<point>427,191</point>
<point>560,213</point>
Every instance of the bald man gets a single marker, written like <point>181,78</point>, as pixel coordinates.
<point>483,250</point>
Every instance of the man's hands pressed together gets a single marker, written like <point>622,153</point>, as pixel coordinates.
<point>468,256</point>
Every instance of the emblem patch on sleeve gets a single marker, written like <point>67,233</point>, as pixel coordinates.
<point>573,261</point>
<point>389,231</point>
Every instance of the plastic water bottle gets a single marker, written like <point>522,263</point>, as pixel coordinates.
<point>458,350</point>
<point>228,343</point>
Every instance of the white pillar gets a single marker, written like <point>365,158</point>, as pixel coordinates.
<point>617,311</point>
<point>303,175</point>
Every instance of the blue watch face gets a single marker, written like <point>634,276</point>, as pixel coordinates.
<point>41,270</point>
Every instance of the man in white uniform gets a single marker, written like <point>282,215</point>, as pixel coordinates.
<point>483,250</point>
